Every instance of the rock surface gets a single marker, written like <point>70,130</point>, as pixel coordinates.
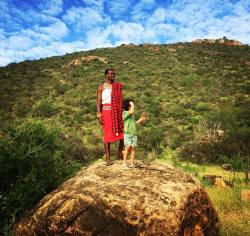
<point>109,200</point>
<point>245,195</point>
<point>217,181</point>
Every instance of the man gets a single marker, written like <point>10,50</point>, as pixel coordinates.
<point>109,113</point>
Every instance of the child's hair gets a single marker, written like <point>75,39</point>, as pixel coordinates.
<point>125,104</point>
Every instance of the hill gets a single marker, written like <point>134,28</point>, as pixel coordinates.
<point>48,112</point>
<point>177,85</point>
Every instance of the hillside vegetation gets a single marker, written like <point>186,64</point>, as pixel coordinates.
<point>196,97</point>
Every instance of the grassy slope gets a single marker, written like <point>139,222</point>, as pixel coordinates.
<point>176,84</point>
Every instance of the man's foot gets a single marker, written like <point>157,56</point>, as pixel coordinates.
<point>109,163</point>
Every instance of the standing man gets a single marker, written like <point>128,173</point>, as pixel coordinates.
<point>109,113</point>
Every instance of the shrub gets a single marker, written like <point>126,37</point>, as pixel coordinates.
<point>177,111</point>
<point>44,109</point>
<point>188,81</point>
<point>150,139</point>
<point>62,88</point>
<point>31,166</point>
<point>203,106</point>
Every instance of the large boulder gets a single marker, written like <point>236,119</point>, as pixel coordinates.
<point>109,200</point>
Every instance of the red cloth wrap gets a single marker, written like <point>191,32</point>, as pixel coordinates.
<point>116,109</point>
<point>108,135</point>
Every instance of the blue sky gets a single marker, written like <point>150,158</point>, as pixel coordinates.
<point>33,29</point>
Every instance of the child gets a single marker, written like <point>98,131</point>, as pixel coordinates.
<point>130,137</point>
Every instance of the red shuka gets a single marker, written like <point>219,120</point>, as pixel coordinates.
<point>116,108</point>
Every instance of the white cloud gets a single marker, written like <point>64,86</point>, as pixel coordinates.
<point>4,10</point>
<point>52,7</point>
<point>116,8</point>
<point>57,48</point>
<point>165,31</point>
<point>37,36</point>
<point>4,61</point>
<point>17,18</point>
<point>159,16</point>
<point>127,31</point>
<point>142,10</point>
<point>2,33</point>
<point>242,7</point>
<point>201,19</point>
<point>36,52</point>
<point>20,42</point>
<point>97,4</point>
<point>56,30</point>
<point>97,38</point>
<point>82,19</point>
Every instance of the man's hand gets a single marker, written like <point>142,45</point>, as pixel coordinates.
<point>99,117</point>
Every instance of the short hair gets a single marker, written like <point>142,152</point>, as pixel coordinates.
<point>107,70</point>
<point>126,105</point>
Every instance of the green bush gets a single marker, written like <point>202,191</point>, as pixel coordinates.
<point>31,166</point>
<point>150,139</point>
<point>233,149</point>
<point>44,108</point>
<point>188,81</point>
<point>73,148</point>
<point>177,111</point>
<point>62,88</point>
<point>203,106</point>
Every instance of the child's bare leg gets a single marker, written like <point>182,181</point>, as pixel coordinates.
<point>125,155</point>
<point>132,153</point>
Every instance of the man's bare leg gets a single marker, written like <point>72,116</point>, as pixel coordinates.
<point>119,151</point>
<point>107,153</point>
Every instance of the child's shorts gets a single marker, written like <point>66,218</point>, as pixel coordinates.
<point>130,140</point>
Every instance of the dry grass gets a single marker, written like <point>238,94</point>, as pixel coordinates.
<point>234,214</point>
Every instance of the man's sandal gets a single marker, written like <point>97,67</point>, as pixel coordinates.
<point>109,163</point>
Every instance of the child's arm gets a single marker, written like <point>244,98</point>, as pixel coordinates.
<point>141,119</point>
<point>132,108</point>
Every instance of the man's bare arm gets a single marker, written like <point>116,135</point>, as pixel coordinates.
<point>99,103</point>
<point>99,99</point>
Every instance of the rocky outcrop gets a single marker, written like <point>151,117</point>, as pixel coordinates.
<point>109,200</point>
<point>130,45</point>
<point>217,181</point>
<point>219,41</point>
<point>78,61</point>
